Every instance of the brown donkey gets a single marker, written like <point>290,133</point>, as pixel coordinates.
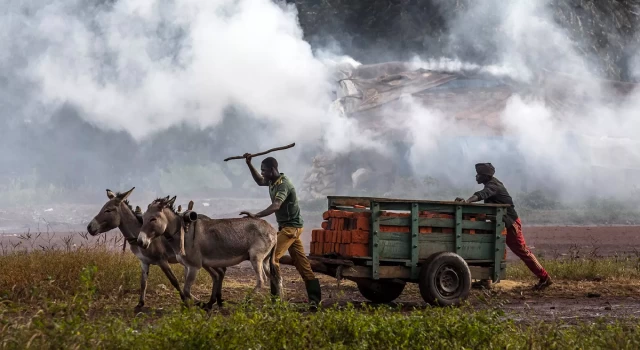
<point>117,212</point>
<point>212,243</point>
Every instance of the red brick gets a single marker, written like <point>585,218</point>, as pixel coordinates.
<point>358,250</point>
<point>403,229</point>
<point>325,225</point>
<point>425,229</point>
<point>363,223</point>
<point>358,236</point>
<point>346,237</point>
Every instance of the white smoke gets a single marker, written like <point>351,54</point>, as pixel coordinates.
<point>559,148</point>
<point>145,65</point>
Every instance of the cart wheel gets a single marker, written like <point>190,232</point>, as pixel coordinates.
<point>380,292</point>
<point>445,279</point>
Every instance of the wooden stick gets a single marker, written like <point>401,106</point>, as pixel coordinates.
<point>263,153</point>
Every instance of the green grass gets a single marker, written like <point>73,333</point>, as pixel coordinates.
<point>614,268</point>
<point>81,299</point>
<point>53,274</point>
<point>284,326</point>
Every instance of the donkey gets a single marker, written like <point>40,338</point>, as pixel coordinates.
<point>117,212</point>
<point>213,243</point>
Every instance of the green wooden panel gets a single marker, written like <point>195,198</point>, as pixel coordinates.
<point>349,209</point>
<point>498,246</point>
<point>439,208</point>
<point>474,247</point>
<point>446,223</point>
<point>364,201</point>
<point>458,229</point>
<point>375,234</point>
<point>415,244</point>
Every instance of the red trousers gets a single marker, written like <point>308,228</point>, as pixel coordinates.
<point>515,242</point>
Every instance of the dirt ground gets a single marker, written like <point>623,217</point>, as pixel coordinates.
<point>554,241</point>
<point>563,301</point>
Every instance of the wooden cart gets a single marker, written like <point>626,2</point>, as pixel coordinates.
<point>441,246</point>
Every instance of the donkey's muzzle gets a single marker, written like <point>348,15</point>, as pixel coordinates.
<point>143,240</point>
<point>93,228</point>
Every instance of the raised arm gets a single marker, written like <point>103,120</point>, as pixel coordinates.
<point>256,175</point>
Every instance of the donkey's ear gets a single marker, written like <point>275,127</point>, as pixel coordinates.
<point>124,196</point>
<point>179,209</point>
<point>171,201</point>
<point>138,211</point>
<point>110,194</point>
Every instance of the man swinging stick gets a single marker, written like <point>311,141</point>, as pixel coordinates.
<point>495,192</point>
<point>284,203</point>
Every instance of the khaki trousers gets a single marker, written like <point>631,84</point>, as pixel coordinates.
<point>289,239</point>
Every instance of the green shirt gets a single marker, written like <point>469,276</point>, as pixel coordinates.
<point>289,213</point>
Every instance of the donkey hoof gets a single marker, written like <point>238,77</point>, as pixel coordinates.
<point>191,302</point>
<point>206,306</point>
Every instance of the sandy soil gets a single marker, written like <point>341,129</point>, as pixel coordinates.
<point>568,302</point>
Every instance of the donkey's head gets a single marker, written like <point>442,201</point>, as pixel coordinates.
<point>155,220</point>
<point>109,216</point>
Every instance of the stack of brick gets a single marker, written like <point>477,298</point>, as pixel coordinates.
<point>347,233</point>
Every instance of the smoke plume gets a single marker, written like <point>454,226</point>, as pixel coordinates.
<point>135,92</point>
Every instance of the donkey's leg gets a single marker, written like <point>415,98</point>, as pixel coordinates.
<point>256,262</point>
<point>189,278</point>
<point>144,267</point>
<point>222,271</point>
<point>164,265</point>
<point>217,275</point>
<point>186,272</point>
<point>265,268</point>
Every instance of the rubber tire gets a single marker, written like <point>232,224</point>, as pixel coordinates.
<point>381,292</point>
<point>432,291</point>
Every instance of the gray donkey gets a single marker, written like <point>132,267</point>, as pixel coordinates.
<point>117,212</point>
<point>212,243</point>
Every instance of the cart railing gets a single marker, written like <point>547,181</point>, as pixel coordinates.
<point>442,242</point>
